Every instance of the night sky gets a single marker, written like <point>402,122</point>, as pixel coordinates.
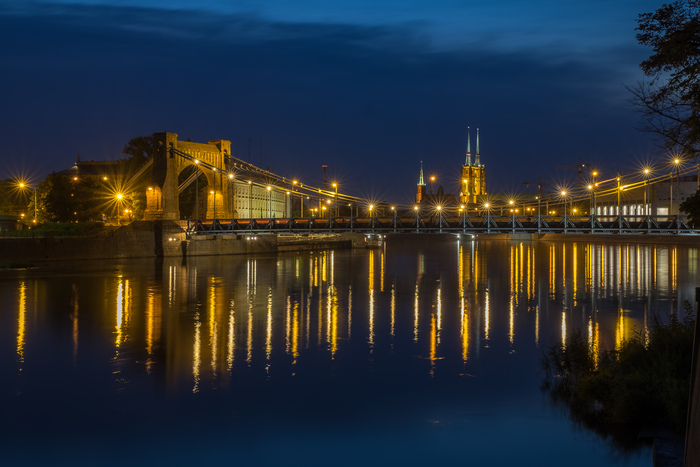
<point>370,88</point>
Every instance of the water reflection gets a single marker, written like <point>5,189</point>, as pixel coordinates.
<point>455,309</point>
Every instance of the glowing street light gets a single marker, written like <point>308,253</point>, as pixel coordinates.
<point>269,197</point>
<point>647,173</point>
<point>24,185</point>
<point>566,223</point>
<point>335,185</point>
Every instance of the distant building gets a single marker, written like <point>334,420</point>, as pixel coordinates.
<point>657,199</point>
<point>440,198</point>
<point>473,184</point>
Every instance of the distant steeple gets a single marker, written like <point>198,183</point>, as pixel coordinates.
<point>469,150</point>
<point>477,159</point>
<point>420,179</point>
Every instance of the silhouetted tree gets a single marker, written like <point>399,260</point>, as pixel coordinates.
<point>68,200</point>
<point>140,148</point>
<point>670,99</point>
<point>691,206</point>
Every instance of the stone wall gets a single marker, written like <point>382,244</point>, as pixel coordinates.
<point>136,240</point>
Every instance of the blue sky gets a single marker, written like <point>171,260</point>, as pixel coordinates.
<point>368,88</point>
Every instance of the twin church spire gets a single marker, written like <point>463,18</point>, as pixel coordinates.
<point>473,178</point>
<point>477,159</point>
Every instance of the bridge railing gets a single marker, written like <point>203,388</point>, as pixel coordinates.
<point>651,225</point>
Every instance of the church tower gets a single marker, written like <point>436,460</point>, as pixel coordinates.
<point>420,194</point>
<point>473,183</point>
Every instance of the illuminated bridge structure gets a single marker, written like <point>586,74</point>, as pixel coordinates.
<point>650,225</point>
<point>241,198</point>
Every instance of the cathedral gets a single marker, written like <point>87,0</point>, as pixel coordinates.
<point>472,180</point>
<point>473,183</point>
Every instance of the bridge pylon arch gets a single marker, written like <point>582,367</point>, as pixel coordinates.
<point>162,197</point>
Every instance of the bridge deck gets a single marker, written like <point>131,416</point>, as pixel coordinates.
<point>650,225</point>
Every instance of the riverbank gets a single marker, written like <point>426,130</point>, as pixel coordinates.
<point>145,239</point>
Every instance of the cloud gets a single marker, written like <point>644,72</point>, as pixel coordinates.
<point>371,102</point>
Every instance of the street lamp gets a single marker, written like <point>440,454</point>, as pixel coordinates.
<point>488,217</point>
<point>335,185</point>
<point>566,224</point>
<point>24,185</point>
<point>677,162</point>
<point>619,189</point>
<point>250,199</point>
<point>646,191</point>
<point>119,197</point>
<point>415,208</point>
<point>432,180</point>
<point>393,209</point>
<point>213,196</point>
<point>269,196</point>
<point>232,190</point>
<point>512,210</point>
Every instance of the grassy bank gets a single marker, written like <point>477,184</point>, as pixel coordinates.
<point>643,383</point>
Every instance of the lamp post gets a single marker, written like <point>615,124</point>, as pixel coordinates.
<point>432,180</point>
<point>232,189</point>
<point>566,223</point>
<point>250,199</point>
<point>677,162</point>
<point>119,209</point>
<point>646,191</point>
<point>488,217</point>
<point>269,197</point>
<point>335,185</point>
<point>439,210</point>
<point>512,210</point>
<point>213,197</point>
<point>393,210</point>
<point>415,208</point>
<point>25,185</point>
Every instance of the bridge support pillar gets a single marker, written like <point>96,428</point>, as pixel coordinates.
<point>162,201</point>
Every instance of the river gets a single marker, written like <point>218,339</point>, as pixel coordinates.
<point>425,351</point>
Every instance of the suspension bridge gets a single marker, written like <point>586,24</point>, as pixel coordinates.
<point>244,199</point>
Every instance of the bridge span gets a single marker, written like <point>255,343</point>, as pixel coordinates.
<point>635,225</point>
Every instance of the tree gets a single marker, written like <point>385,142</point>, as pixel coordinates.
<point>670,100</point>
<point>691,206</point>
<point>140,148</point>
<point>69,200</point>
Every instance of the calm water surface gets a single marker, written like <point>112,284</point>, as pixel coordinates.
<point>423,352</point>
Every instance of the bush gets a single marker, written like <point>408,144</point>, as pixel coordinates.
<point>644,382</point>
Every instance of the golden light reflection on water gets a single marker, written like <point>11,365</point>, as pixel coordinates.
<point>74,320</point>
<point>21,322</point>
<point>453,306</point>
<point>231,338</point>
<point>416,313</point>
<point>196,353</point>
<point>153,324</point>
<point>123,311</point>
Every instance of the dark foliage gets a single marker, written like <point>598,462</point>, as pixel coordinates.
<point>670,100</point>
<point>643,383</point>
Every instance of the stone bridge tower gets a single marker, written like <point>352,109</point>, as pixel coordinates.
<point>162,198</point>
